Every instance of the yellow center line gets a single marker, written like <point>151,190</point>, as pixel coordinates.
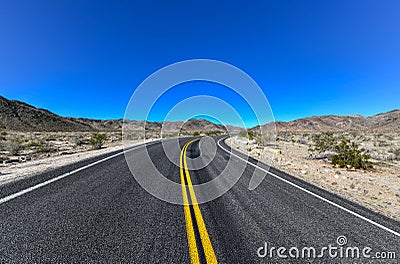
<point>205,239</point>
<point>193,252</point>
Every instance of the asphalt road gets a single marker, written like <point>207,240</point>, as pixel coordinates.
<point>101,214</point>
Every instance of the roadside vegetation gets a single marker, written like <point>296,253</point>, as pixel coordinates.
<point>247,134</point>
<point>213,133</point>
<point>14,146</point>
<point>345,153</point>
<point>361,165</point>
<point>200,133</point>
<point>24,146</point>
<point>97,140</point>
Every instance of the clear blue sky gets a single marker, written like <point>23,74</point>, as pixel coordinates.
<point>85,58</point>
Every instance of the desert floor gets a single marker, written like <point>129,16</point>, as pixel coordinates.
<point>377,188</point>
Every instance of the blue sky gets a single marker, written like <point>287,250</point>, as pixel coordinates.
<point>86,58</point>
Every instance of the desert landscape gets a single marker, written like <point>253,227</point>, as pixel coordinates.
<point>377,186</point>
<point>199,132</point>
<point>35,140</point>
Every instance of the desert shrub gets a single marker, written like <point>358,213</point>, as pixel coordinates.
<point>14,146</point>
<point>361,138</point>
<point>354,134</point>
<point>247,134</point>
<point>170,135</point>
<point>349,155</point>
<point>129,135</point>
<point>40,146</point>
<point>213,132</point>
<point>396,152</point>
<point>265,139</point>
<point>97,140</point>
<point>251,136</point>
<point>381,143</point>
<point>389,137</point>
<point>322,142</point>
<point>32,144</point>
<point>45,147</point>
<point>243,133</point>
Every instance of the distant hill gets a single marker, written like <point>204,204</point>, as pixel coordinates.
<point>193,125</point>
<point>99,125</point>
<point>19,116</point>
<point>384,122</point>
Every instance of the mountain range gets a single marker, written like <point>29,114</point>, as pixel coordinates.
<point>383,122</point>
<point>20,116</point>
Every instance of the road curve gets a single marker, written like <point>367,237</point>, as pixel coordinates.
<point>101,214</point>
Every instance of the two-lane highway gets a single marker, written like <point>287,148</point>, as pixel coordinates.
<point>99,213</point>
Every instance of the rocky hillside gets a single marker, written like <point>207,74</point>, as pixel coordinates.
<point>99,125</point>
<point>22,117</point>
<point>19,116</point>
<point>385,122</point>
<point>190,126</point>
<point>201,124</point>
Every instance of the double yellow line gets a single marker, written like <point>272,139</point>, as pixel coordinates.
<point>205,239</point>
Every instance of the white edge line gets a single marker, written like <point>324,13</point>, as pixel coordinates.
<point>313,194</point>
<point>37,186</point>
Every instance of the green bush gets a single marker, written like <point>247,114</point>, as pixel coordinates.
<point>213,133</point>
<point>247,134</point>
<point>97,140</point>
<point>349,155</point>
<point>40,146</point>
<point>32,144</point>
<point>45,147</point>
<point>196,133</point>
<point>14,146</point>
<point>324,141</point>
